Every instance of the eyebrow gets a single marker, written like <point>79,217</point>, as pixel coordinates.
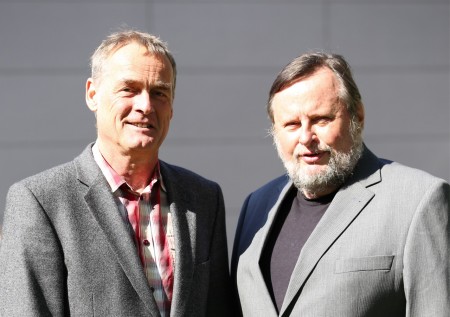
<point>163,85</point>
<point>158,84</point>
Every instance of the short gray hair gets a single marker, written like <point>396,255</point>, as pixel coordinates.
<point>122,38</point>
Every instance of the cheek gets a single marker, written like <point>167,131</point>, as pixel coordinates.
<point>120,109</point>
<point>287,142</point>
<point>166,116</point>
<point>325,136</point>
<point>110,119</point>
<point>336,137</point>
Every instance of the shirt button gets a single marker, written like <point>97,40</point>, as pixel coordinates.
<point>146,242</point>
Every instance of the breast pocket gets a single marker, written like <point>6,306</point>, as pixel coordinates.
<point>370,263</point>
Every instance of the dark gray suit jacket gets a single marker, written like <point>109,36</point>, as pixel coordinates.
<point>68,250</point>
<point>381,249</point>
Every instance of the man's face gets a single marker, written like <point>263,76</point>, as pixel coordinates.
<point>312,133</point>
<point>132,101</point>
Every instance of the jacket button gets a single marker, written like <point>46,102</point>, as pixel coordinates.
<point>146,242</point>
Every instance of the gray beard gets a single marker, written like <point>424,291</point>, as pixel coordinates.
<point>339,168</point>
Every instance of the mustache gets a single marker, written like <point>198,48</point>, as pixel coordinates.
<point>314,149</point>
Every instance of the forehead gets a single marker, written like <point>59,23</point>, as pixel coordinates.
<point>322,80</point>
<point>318,90</point>
<point>135,57</point>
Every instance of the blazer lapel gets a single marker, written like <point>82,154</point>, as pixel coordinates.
<point>184,225</point>
<point>345,207</point>
<point>102,204</point>
<point>254,251</point>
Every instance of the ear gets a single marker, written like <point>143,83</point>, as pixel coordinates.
<point>91,93</point>
<point>360,114</point>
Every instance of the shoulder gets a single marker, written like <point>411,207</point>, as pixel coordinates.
<point>397,173</point>
<point>412,188</point>
<point>51,178</point>
<point>261,201</point>
<point>271,189</point>
<point>42,192</point>
<point>374,171</point>
<point>60,179</point>
<point>254,213</point>
<point>184,177</point>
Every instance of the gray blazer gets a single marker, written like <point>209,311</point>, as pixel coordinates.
<point>69,250</point>
<point>381,249</point>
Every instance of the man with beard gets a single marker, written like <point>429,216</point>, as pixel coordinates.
<point>344,233</point>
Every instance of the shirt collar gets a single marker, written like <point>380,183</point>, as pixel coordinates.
<point>114,179</point>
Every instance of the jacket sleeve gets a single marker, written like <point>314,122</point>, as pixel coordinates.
<point>427,256</point>
<point>221,299</point>
<point>237,252</point>
<point>237,240</point>
<point>32,275</point>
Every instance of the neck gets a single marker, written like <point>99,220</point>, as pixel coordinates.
<point>137,170</point>
<point>317,194</point>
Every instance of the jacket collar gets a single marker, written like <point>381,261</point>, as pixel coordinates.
<point>348,203</point>
<point>103,207</point>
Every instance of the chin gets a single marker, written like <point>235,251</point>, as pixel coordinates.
<point>313,170</point>
<point>142,143</point>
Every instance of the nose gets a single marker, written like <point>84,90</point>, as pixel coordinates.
<point>307,135</point>
<point>142,103</point>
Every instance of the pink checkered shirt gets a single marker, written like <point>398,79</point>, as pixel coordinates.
<point>144,235</point>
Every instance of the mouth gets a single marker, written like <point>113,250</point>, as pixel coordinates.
<point>142,125</point>
<point>312,157</point>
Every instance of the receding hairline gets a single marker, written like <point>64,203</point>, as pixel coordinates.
<point>306,76</point>
<point>308,64</point>
<point>118,40</point>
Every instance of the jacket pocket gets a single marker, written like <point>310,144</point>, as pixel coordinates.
<point>370,263</point>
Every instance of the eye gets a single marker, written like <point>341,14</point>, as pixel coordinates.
<point>292,124</point>
<point>127,90</point>
<point>322,121</point>
<point>160,94</point>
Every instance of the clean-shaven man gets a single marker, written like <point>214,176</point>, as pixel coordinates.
<point>117,231</point>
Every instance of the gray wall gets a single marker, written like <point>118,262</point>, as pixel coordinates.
<point>228,54</point>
